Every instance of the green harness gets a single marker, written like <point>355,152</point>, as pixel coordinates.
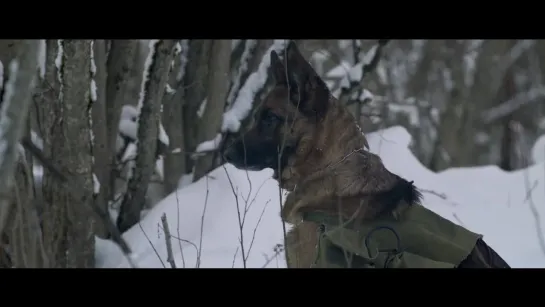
<point>418,239</point>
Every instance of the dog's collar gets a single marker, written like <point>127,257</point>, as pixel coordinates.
<point>327,219</point>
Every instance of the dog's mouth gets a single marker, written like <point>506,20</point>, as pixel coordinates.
<point>253,168</point>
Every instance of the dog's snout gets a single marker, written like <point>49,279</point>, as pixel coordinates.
<point>230,154</point>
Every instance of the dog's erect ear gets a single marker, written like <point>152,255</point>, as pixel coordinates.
<point>278,70</point>
<point>312,95</point>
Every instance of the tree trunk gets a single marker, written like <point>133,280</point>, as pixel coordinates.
<point>175,163</point>
<point>195,83</point>
<point>135,74</point>
<point>100,150</point>
<point>218,86</point>
<point>121,65</point>
<point>154,88</point>
<point>68,222</point>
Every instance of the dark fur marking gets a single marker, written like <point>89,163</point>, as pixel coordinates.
<point>403,190</point>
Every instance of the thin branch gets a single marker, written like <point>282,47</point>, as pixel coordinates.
<point>513,104</point>
<point>202,224</point>
<point>170,257</point>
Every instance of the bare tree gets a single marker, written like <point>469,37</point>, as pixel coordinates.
<point>68,221</point>
<point>218,82</point>
<point>153,87</point>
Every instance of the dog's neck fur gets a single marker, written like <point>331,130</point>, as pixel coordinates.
<point>335,174</point>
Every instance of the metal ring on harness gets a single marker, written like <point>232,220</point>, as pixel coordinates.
<point>379,228</point>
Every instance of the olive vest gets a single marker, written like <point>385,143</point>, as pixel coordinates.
<point>419,238</point>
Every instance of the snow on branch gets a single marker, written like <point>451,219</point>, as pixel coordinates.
<point>184,49</point>
<point>353,81</point>
<point>513,104</point>
<point>508,60</point>
<point>92,99</point>
<point>146,73</point>
<point>248,49</point>
<point>208,146</point>
<point>42,52</point>
<point>243,103</point>
<point>59,63</point>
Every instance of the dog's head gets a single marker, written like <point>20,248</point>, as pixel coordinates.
<point>297,102</point>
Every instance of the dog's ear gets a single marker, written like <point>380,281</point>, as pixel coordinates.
<point>310,94</point>
<point>278,70</point>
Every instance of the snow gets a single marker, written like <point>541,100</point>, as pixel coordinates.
<point>538,150</point>
<point>354,75</point>
<point>186,180</point>
<point>146,71</point>
<point>163,137</point>
<point>202,108</point>
<point>255,82</point>
<point>128,125</point>
<point>169,89</point>
<point>369,55</point>
<point>209,145</point>
<point>318,58</point>
<point>159,168</point>
<point>486,200</point>
<point>92,56</point>
<point>183,59</point>
<point>36,139</point>
<point>128,128</point>
<point>339,71</point>
<point>96,184</point>
<point>60,53</point>
<point>5,119</point>
<point>93,90</point>
<point>58,64</point>
<point>42,53</point>
<point>243,67</point>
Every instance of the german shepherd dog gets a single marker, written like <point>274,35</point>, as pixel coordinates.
<point>317,152</point>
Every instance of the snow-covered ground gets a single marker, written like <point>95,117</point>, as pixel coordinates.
<point>203,216</point>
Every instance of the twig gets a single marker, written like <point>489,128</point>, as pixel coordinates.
<point>202,224</point>
<point>170,257</point>
<point>278,249</point>
<point>255,228</point>
<point>151,244</point>
<point>240,222</point>
<point>235,257</point>
<point>178,226</point>
<point>440,195</point>
<point>517,128</point>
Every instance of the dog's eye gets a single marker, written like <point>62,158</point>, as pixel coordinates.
<point>271,119</point>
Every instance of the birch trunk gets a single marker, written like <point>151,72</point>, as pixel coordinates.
<point>154,88</point>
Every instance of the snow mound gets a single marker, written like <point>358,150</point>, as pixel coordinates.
<point>500,205</point>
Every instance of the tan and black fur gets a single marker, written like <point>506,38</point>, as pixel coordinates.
<point>318,153</point>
